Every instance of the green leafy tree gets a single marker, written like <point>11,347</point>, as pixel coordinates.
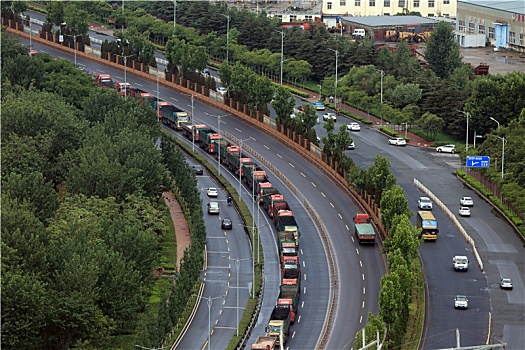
<point>442,52</point>
<point>283,104</point>
<point>432,124</point>
<point>403,236</point>
<point>405,94</point>
<point>379,178</point>
<point>393,202</point>
<point>55,12</point>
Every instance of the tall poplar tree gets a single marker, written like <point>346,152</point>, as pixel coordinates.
<point>442,51</point>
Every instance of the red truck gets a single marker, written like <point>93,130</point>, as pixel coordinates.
<point>123,88</point>
<point>292,276</point>
<point>289,295</point>
<point>105,81</point>
<point>278,208</point>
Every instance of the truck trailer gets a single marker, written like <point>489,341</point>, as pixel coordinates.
<point>279,324</point>
<point>364,231</point>
<point>173,116</point>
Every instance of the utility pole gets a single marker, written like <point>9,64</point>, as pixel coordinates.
<point>227,35</point>
<point>174,15</point>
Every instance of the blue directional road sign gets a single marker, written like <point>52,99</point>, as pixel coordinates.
<point>478,161</point>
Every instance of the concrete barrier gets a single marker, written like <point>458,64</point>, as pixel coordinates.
<point>453,218</point>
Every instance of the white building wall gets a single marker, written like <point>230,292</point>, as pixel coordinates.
<point>427,8</point>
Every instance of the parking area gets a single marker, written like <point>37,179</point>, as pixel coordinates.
<point>500,62</point>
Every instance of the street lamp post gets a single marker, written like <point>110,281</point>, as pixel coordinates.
<point>382,75</point>
<point>282,52</point>
<point>406,128</point>
<point>219,118</point>
<point>491,118</point>
<point>502,138</point>
<point>240,156</point>
<point>227,34</point>
<point>193,127</point>
<point>75,44</point>
<point>209,302</point>
<point>237,265</point>
<point>335,94</point>
<point>157,93</point>
<point>174,15</point>
<point>320,91</point>
<point>467,115</point>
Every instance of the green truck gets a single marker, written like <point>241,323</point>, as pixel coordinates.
<point>279,324</point>
<point>286,222</point>
<point>268,195</point>
<point>364,231</point>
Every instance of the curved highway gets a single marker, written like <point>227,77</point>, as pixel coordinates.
<point>359,268</point>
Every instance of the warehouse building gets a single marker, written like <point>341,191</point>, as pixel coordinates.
<point>497,23</point>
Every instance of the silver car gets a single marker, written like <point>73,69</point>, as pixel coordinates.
<point>213,208</point>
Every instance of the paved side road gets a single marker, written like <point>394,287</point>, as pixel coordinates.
<point>502,253</point>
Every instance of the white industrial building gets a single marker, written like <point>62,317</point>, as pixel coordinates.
<point>427,8</point>
<point>497,23</point>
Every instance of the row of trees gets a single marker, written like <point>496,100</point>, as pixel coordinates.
<point>82,220</point>
<point>401,248</point>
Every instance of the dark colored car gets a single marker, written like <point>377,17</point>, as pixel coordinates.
<point>226,224</point>
<point>198,170</point>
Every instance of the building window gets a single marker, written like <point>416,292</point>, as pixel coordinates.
<point>462,26</point>
<point>357,3</point>
<point>386,14</point>
<point>372,3</point>
<point>512,37</point>
<point>481,29</point>
<point>491,32</point>
<point>522,39</point>
<point>401,3</point>
<point>293,18</point>
<point>342,3</point>
<point>328,5</point>
<point>430,15</point>
<point>471,28</point>
<point>387,3</point>
<point>416,3</point>
<point>431,3</point>
<point>446,15</point>
<point>446,2</point>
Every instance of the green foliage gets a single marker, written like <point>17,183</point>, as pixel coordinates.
<point>393,203</point>
<point>442,52</point>
<point>432,124</point>
<point>378,178</point>
<point>406,94</point>
<point>403,238</point>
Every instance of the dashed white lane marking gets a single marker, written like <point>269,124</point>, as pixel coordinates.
<point>278,155</point>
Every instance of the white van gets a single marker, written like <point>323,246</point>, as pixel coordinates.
<point>358,33</point>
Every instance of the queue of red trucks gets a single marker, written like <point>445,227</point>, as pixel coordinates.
<point>272,201</point>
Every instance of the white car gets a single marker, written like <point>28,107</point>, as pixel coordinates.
<point>327,116</point>
<point>464,211</point>
<point>212,192</point>
<point>424,203</point>
<point>222,90</point>
<point>461,302</point>
<point>353,127</point>
<point>466,202</point>
<point>213,208</point>
<point>446,149</point>
<point>398,141</point>
<point>351,145</point>
<point>506,283</point>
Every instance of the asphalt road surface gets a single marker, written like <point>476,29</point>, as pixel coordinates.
<point>501,250</point>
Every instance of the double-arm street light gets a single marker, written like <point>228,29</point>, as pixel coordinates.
<point>174,15</point>
<point>237,265</point>
<point>125,58</point>
<point>240,168</point>
<point>209,302</point>
<point>467,115</point>
<point>335,94</point>
<point>75,44</point>
<point>219,118</point>
<point>227,35</point>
